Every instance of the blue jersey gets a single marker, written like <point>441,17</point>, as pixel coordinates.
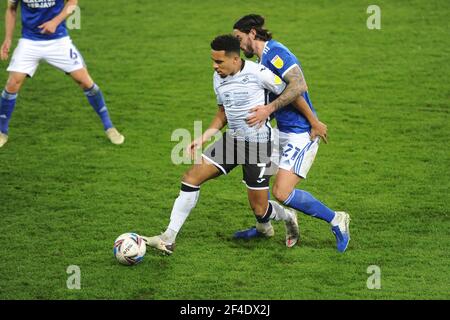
<point>36,12</point>
<point>280,60</point>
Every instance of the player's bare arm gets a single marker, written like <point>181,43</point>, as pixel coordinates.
<point>317,127</point>
<point>219,121</point>
<point>10,23</point>
<point>49,27</point>
<point>296,85</point>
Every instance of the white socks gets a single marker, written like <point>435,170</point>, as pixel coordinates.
<point>336,220</point>
<point>279,212</point>
<point>183,205</point>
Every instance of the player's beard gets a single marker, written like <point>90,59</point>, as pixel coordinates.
<point>248,54</point>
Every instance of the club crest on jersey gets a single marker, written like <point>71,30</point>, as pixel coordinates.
<point>245,80</point>
<point>227,99</point>
<point>277,62</point>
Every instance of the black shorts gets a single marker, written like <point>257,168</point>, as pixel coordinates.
<point>228,153</point>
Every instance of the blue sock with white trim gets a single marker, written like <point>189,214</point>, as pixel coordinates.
<point>7,104</point>
<point>95,98</point>
<point>303,201</point>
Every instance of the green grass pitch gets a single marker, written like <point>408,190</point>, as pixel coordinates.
<point>66,193</point>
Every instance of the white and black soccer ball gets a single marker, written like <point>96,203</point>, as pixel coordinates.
<point>129,248</point>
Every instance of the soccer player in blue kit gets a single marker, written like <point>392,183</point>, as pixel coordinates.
<point>298,146</point>
<point>45,37</point>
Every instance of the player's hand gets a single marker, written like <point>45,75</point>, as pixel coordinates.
<point>4,51</point>
<point>258,116</point>
<point>193,147</point>
<point>48,27</point>
<point>319,129</point>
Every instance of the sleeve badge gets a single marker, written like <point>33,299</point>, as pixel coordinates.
<point>277,62</point>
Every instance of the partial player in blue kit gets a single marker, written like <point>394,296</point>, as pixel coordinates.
<point>299,129</point>
<point>45,37</point>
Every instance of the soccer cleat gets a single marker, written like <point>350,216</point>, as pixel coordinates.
<point>114,136</point>
<point>342,231</point>
<point>292,231</point>
<point>3,139</point>
<point>344,222</point>
<point>247,234</point>
<point>158,243</point>
<point>342,239</point>
<point>254,232</point>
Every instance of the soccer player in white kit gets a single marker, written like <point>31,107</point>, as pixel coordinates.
<point>297,149</point>
<point>45,37</point>
<point>239,86</point>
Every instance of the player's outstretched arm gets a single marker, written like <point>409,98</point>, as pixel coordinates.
<point>10,23</point>
<point>219,121</point>
<point>49,27</point>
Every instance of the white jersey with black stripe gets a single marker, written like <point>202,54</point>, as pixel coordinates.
<point>240,92</point>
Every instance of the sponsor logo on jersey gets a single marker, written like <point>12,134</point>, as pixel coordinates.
<point>39,4</point>
<point>277,62</point>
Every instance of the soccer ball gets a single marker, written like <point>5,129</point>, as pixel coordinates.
<point>129,249</point>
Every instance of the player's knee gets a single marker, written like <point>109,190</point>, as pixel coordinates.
<point>280,193</point>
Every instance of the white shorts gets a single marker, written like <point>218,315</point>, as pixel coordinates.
<point>60,53</point>
<point>297,152</point>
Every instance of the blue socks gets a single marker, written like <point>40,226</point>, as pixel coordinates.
<point>306,203</point>
<point>8,102</point>
<point>95,97</point>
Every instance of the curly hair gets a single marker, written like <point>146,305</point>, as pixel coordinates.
<point>256,22</point>
<point>226,42</point>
